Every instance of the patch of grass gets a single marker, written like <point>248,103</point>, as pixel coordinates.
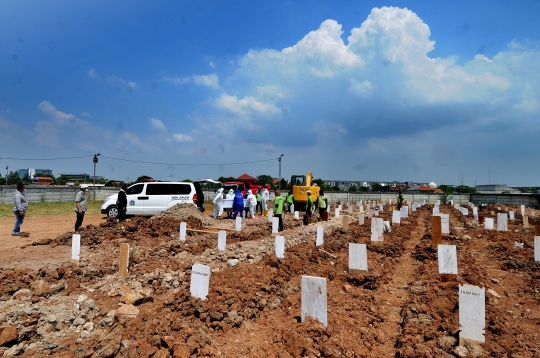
<point>53,209</point>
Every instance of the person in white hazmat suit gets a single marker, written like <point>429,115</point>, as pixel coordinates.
<point>251,202</point>
<point>264,202</point>
<point>230,195</point>
<point>218,203</point>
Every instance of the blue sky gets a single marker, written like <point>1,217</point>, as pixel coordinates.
<point>352,90</point>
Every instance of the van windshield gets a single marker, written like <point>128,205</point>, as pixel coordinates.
<point>135,189</point>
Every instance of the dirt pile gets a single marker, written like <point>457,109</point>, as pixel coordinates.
<point>184,211</point>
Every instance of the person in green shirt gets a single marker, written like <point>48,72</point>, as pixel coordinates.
<point>80,205</point>
<point>309,206</point>
<point>278,209</point>
<point>289,201</point>
<point>399,200</point>
<point>258,196</point>
<point>322,203</point>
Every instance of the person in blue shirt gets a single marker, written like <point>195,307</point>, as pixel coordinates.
<point>238,204</point>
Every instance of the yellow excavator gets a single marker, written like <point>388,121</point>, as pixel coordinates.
<point>299,186</point>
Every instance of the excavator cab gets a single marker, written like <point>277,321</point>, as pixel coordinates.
<point>300,184</point>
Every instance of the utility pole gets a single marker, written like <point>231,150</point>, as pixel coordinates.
<point>95,162</point>
<point>7,175</point>
<point>279,183</point>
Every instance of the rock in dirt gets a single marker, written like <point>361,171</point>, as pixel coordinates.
<point>127,311</point>
<point>23,295</point>
<point>461,351</point>
<point>8,335</point>
<point>40,288</point>
<point>233,262</point>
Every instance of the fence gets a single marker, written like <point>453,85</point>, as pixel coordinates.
<point>52,194</point>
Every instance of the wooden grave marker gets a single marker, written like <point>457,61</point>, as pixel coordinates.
<point>536,230</point>
<point>472,314</point>
<point>345,223</point>
<point>124,260</point>
<point>314,301</point>
<point>526,222</point>
<point>200,281</point>
<point>358,257</point>
<point>75,247</point>
<point>320,236</point>
<point>280,247</point>
<point>502,222</point>
<point>222,240</point>
<point>436,230</point>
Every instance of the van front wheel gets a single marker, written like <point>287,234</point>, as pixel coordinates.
<point>112,211</point>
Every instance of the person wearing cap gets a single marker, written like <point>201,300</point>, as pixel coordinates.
<point>322,203</point>
<point>278,209</point>
<point>309,205</point>
<point>80,205</point>
<point>122,203</point>
<point>20,207</point>
<point>289,201</point>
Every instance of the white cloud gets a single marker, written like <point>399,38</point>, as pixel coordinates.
<point>134,141</point>
<point>92,73</point>
<point>360,88</point>
<point>179,137</point>
<point>157,124</point>
<point>60,117</point>
<point>328,131</point>
<point>210,80</point>
<point>246,107</point>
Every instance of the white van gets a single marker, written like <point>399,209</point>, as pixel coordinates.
<point>154,197</point>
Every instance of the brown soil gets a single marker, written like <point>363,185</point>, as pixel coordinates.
<point>400,307</point>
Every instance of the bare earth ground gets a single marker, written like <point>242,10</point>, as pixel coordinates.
<point>400,307</point>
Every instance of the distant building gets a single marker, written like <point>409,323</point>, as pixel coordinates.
<point>32,173</point>
<point>44,181</point>
<point>496,189</point>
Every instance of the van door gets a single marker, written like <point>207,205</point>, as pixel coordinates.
<point>158,197</point>
<point>135,199</point>
<point>180,193</point>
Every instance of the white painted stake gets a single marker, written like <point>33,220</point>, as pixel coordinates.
<point>358,257</point>
<point>488,223</point>
<point>472,313</point>
<point>435,210</point>
<point>222,240</point>
<point>314,299</point>
<point>447,259</point>
<point>337,212</point>
<point>238,223</point>
<point>396,217</point>
<point>292,208</point>
<point>511,214</point>
<point>537,248</point>
<point>297,215</point>
<point>361,219</point>
<point>200,281</point>
<point>502,222</point>
<point>270,214</point>
<point>445,223</point>
<point>275,225</point>
<point>522,210</point>
<point>280,247</point>
<point>320,236</point>
<point>377,229</point>
<point>75,246</point>
<point>182,231</point>
<point>404,212</point>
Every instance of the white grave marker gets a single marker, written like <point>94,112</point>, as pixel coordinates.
<point>537,248</point>
<point>435,210</point>
<point>377,229</point>
<point>386,226</point>
<point>75,246</point>
<point>361,220</point>
<point>222,240</point>
<point>475,213</point>
<point>522,210</point>
<point>238,223</point>
<point>314,299</point>
<point>200,280</point>
<point>337,212</point>
<point>447,259</point>
<point>396,217</point>
<point>472,313</point>
<point>445,223</point>
<point>361,208</point>
<point>381,208</point>
<point>438,202</point>
<point>280,247</point>
<point>182,231</point>
<point>297,215</point>
<point>502,222</point>
<point>275,225</point>
<point>533,214</point>
<point>358,257</point>
<point>404,212</point>
<point>320,236</point>
<point>413,207</point>
<point>292,208</point>
<point>270,214</point>
<point>488,223</point>
<point>511,214</point>
<point>350,209</point>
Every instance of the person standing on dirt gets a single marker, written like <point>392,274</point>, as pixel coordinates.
<point>322,203</point>
<point>289,201</point>
<point>258,196</point>
<point>80,205</point>
<point>399,200</point>
<point>238,204</point>
<point>218,203</point>
<point>278,209</point>
<point>20,207</point>
<point>309,206</point>
<point>122,203</point>
<point>264,201</point>
<point>251,203</point>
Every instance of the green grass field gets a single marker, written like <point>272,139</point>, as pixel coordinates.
<point>56,209</point>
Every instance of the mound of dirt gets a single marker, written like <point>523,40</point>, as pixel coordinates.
<point>184,211</point>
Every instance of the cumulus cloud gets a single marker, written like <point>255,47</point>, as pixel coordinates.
<point>210,80</point>
<point>247,107</point>
<point>157,124</point>
<point>179,137</point>
<point>360,88</point>
<point>92,73</point>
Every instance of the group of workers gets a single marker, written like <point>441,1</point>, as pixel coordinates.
<point>259,201</point>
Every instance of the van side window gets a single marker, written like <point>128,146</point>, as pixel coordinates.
<point>180,189</point>
<point>157,189</point>
<point>135,189</point>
